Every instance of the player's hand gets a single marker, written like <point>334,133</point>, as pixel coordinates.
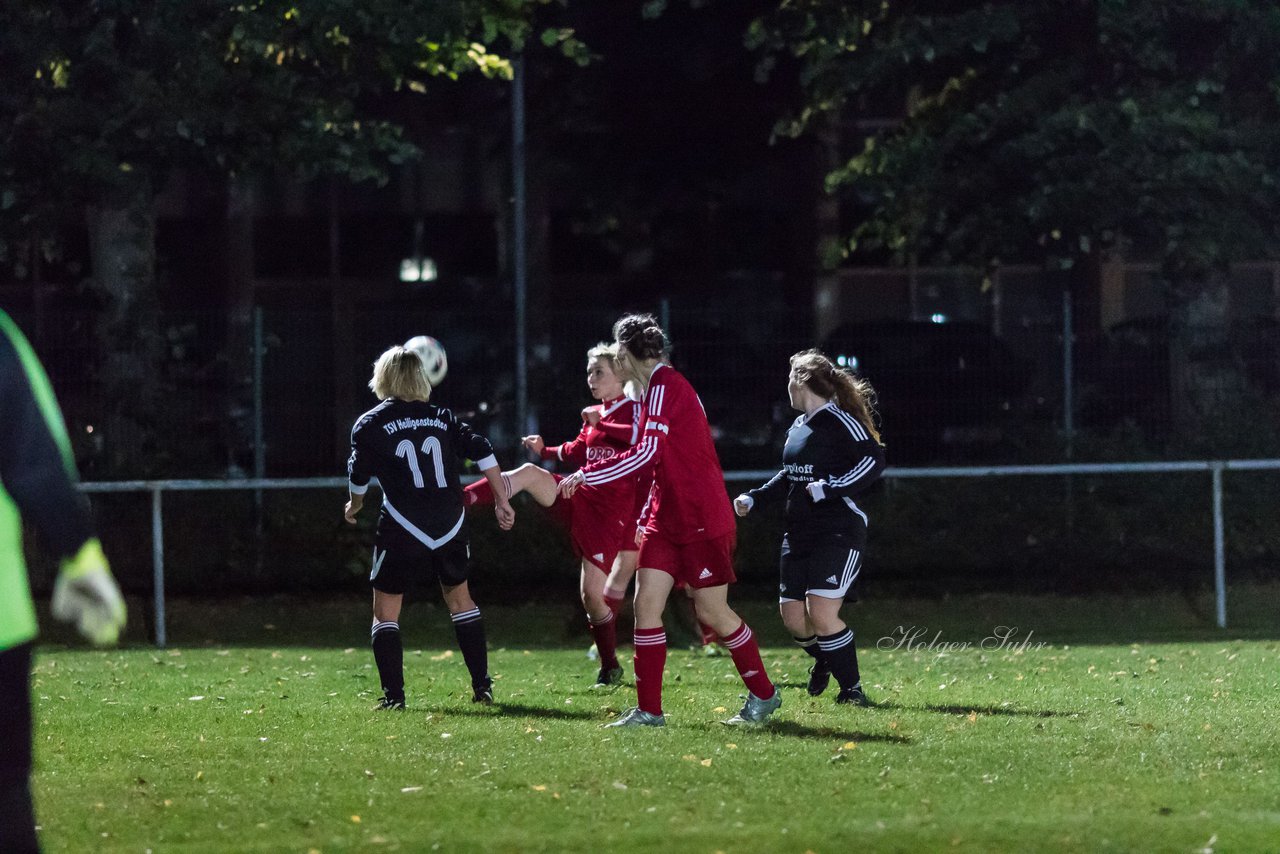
<point>815,490</point>
<point>351,508</point>
<point>570,484</point>
<point>639,535</point>
<point>591,415</point>
<point>87,595</point>
<point>505,512</point>
<point>534,443</point>
<point>742,504</point>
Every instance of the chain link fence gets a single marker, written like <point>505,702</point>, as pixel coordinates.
<point>1004,371</point>
<point>966,375</point>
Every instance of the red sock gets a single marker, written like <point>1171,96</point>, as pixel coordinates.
<point>651,658</point>
<point>614,602</point>
<point>708,634</point>
<point>746,657</point>
<point>479,492</point>
<point>605,633</point>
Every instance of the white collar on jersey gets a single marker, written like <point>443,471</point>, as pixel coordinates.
<point>607,406</point>
<point>805,419</point>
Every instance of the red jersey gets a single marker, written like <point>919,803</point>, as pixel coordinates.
<point>617,430</point>
<point>611,505</point>
<point>688,501</point>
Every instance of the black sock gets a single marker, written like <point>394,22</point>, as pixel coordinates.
<point>469,628</point>
<point>17,817</point>
<point>841,656</point>
<point>810,645</point>
<point>388,652</point>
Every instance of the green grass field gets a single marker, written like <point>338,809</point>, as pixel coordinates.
<point>260,742</point>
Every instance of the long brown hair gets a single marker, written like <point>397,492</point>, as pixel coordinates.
<point>852,393</point>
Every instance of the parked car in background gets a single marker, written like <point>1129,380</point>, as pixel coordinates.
<point>943,388</point>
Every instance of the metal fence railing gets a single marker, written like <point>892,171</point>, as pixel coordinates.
<point>1215,468</point>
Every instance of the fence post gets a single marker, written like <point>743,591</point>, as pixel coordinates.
<point>259,436</point>
<point>1219,547</point>
<point>157,564</point>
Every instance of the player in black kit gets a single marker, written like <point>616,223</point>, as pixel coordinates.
<point>413,447</point>
<point>833,453</point>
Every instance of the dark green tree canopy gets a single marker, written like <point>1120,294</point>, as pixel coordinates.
<point>98,97</point>
<point>1047,130</point>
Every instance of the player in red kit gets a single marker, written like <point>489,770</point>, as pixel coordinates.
<point>689,530</point>
<point>601,520</point>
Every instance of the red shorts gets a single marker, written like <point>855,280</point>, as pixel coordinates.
<point>598,528</point>
<point>597,538</point>
<point>702,563</point>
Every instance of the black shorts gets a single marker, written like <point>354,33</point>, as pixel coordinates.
<point>829,568</point>
<point>400,561</point>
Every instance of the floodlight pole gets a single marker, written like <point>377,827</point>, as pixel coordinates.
<point>519,238</point>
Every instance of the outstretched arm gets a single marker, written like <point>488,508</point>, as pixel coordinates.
<point>769,490</point>
<point>501,506</point>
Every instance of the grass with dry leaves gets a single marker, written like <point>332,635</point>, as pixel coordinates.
<point>979,744</point>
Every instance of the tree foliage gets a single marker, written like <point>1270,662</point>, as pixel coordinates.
<point>101,101</point>
<point>97,98</point>
<point>1047,130</point>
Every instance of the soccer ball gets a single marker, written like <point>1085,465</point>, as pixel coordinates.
<point>431,352</point>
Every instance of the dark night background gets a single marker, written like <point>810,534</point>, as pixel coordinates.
<point>657,181</point>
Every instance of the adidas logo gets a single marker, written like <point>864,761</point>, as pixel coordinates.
<point>832,580</point>
<point>706,573</point>
<point>599,557</point>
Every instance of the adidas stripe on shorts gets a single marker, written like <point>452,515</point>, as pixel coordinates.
<point>828,568</point>
<point>701,563</point>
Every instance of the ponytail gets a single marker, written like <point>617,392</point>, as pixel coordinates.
<point>851,392</point>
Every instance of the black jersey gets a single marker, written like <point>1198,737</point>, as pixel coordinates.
<point>830,447</point>
<point>413,448</point>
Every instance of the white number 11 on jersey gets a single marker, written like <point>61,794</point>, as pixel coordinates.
<point>430,447</point>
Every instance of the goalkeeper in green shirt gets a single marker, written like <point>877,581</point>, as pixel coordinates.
<point>38,485</point>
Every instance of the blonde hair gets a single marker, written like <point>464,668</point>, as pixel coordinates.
<point>604,352</point>
<point>399,373</point>
<point>853,394</point>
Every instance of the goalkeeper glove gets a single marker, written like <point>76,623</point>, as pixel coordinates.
<point>86,594</point>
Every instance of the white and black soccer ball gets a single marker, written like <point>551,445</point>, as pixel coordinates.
<point>433,357</point>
